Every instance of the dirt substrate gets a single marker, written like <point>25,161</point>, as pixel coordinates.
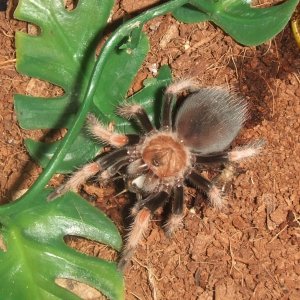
<point>249,250</point>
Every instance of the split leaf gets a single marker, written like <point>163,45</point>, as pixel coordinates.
<point>247,25</point>
<point>33,232</point>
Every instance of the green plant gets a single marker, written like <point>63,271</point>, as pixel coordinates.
<point>64,54</point>
<point>247,25</point>
<point>36,254</point>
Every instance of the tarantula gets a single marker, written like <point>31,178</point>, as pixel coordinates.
<point>194,135</point>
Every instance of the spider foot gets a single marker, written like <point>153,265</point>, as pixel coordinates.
<point>139,226</point>
<point>174,223</point>
<point>246,151</point>
<point>105,134</point>
<point>216,197</point>
<point>182,85</point>
<point>74,182</point>
<point>57,192</point>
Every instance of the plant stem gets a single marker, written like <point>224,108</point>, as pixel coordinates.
<point>111,43</point>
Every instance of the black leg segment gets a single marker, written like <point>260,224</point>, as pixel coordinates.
<point>113,157</point>
<point>177,206</point>
<point>154,201</point>
<point>144,120</point>
<point>199,181</point>
<point>213,158</point>
<point>166,118</point>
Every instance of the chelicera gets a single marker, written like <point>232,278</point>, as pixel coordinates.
<point>157,163</point>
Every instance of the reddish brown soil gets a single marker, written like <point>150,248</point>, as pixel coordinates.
<point>250,250</point>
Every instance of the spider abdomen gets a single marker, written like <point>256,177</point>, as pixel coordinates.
<point>210,119</point>
<point>165,156</point>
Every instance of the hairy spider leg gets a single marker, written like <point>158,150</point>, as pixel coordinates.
<point>140,225</point>
<point>170,97</point>
<point>166,116</point>
<point>236,154</point>
<point>104,134</point>
<point>119,157</point>
<point>221,157</point>
<point>249,150</point>
<point>175,219</point>
<point>149,201</point>
<point>77,178</point>
<point>155,201</point>
<point>181,85</point>
<point>137,112</point>
<point>227,158</point>
<point>115,165</point>
<point>212,191</point>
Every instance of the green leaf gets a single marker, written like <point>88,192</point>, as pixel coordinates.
<point>247,25</point>
<point>33,231</point>
<point>77,154</point>
<point>64,54</point>
<point>133,39</point>
<point>190,14</point>
<point>120,70</point>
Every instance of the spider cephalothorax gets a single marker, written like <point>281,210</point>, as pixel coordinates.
<point>165,158</point>
<point>156,164</point>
